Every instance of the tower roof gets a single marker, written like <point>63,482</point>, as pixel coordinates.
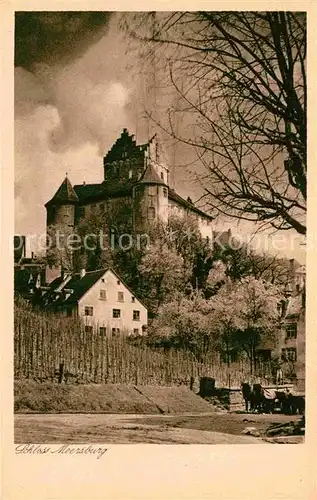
<point>65,193</point>
<point>150,176</point>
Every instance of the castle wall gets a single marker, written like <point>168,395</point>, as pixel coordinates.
<point>115,212</point>
<point>145,207</point>
<point>204,224</point>
<point>60,225</point>
<point>61,215</point>
<point>150,205</point>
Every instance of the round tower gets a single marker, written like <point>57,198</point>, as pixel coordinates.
<point>150,200</point>
<point>60,221</point>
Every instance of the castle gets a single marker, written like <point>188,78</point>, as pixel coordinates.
<point>135,192</point>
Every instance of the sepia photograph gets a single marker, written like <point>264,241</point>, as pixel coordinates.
<point>160,164</point>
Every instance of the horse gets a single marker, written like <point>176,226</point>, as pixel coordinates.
<point>261,400</point>
<point>293,404</point>
<point>247,395</point>
<point>254,397</point>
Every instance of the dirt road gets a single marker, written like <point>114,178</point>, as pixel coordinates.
<point>215,428</point>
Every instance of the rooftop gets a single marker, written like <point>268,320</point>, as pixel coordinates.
<point>65,193</point>
<point>150,176</point>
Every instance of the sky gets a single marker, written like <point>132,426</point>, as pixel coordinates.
<point>76,87</point>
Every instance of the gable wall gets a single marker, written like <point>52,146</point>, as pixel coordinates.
<point>103,308</point>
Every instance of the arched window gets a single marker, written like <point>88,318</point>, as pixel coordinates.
<point>151,213</point>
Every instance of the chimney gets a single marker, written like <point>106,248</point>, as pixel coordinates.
<point>82,273</point>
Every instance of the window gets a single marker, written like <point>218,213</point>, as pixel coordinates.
<point>165,191</point>
<point>115,332</point>
<point>116,313</point>
<point>289,354</point>
<point>88,329</point>
<point>102,280</point>
<point>120,297</point>
<point>136,315</point>
<point>102,331</point>
<point>89,311</point>
<point>152,190</point>
<point>102,207</point>
<point>118,282</point>
<point>162,176</point>
<point>103,294</point>
<point>132,299</point>
<point>291,331</point>
<point>82,212</point>
<point>136,331</point>
<point>151,213</point>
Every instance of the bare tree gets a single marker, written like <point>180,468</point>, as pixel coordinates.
<point>240,80</point>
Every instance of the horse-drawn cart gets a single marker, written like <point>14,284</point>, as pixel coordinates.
<point>278,399</point>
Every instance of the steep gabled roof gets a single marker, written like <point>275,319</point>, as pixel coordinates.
<point>64,194</point>
<point>88,191</point>
<point>93,192</point>
<point>150,176</point>
<point>79,285</point>
<point>82,285</point>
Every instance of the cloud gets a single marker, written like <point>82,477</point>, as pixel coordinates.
<point>56,37</point>
<point>39,170</point>
<point>29,92</point>
<point>68,111</point>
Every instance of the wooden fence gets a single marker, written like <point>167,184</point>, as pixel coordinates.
<point>52,348</point>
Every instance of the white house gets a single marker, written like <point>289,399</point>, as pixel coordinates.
<point>101,299</point>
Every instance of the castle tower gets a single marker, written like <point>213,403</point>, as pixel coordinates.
<point>150,196</point>
<point>156,156</point>
<point>60,221</point>
<point>124,164</point>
